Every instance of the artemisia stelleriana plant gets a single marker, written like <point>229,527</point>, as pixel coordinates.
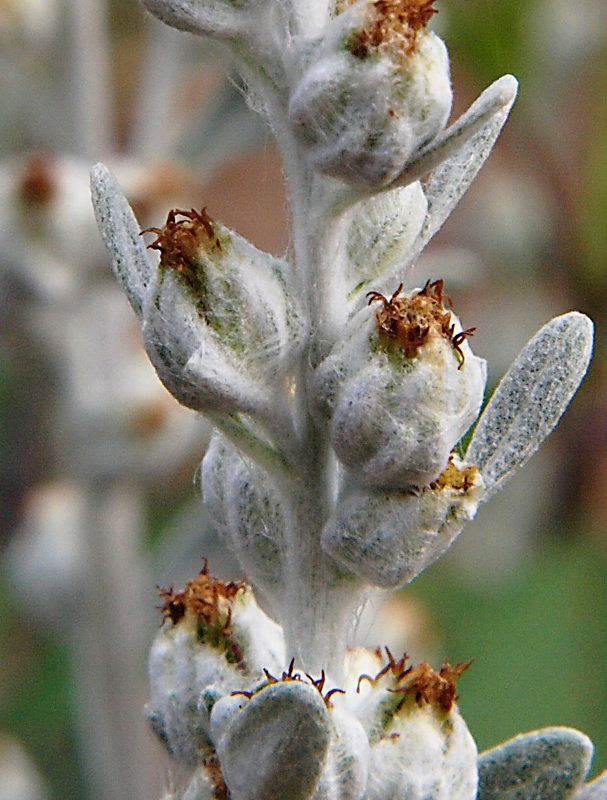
<point>339,398</point>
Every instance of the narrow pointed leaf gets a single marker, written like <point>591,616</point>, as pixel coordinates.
<point>531,398</point>
<point>120,232</point>
<point>379,238</point>
<point>494,102</point>
<point>548,764</point>
<point>450,180</point>
<point>216,19</point>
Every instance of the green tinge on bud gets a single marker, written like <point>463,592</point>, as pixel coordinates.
<point>426,754</point>
<point>247,514</point>
<point>420,745</point>
<point>215,640</point>
<point>276,746</point>
<point>378,90</point>
<point>388,538</point>
<point>221,319</point>
<point>380,235</point>
<point>400,390</point>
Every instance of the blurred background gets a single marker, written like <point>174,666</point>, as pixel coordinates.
<point>98,487</point>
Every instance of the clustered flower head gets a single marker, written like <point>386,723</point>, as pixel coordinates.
<point>340,399</point>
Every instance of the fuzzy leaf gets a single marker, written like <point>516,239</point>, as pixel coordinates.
<point>216,19</point>
<point>379,238</point>
<point>120,232</point>
<point>493,104</point>
<point>531,398</point>
<point>450,180</point>
<point>549,764</point>
<point>276,747</point>
<point>595,790</point>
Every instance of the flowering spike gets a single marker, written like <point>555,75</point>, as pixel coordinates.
<point>335,464</point>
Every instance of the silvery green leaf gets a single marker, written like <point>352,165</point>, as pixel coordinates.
<point>450,180</point>
<point>531,398</point>
<point>548,764</point>
<point>212,18</point>
<point>379,236</point>
<point>595,790</point>
<point>120,232</point>
<point>276,747</point>
<point>494,102</point>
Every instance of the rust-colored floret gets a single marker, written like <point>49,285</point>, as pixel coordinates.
<point>213,769</point>
<point>394,25</point>
<point>201,596</point>
<point>206,600</point>
<point>420,682</point>
<point>458,479</point>
<point>290,676</point>
<point>180,240</point>
<point>410,321</point>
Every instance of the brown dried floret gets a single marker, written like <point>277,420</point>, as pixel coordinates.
<point>207,600</point>
<point>459,479</point>
<point>393,25</point>
<point>179,242</point>
<point>289,676</point>
<point>421,683</point>
<point>213,769</point>
<point>410,321</point>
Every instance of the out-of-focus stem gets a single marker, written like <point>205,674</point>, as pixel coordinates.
<point>153,133</point>
<point>109,642</point>
<point>90,77</point>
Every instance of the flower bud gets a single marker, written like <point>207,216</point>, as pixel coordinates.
<point>388,538</point>
<point>215,640</point>
<point>400,390</point>
<point>420,745</point>
<point>247,514</point>
<point>378,90</point>
<point>221,324</point>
